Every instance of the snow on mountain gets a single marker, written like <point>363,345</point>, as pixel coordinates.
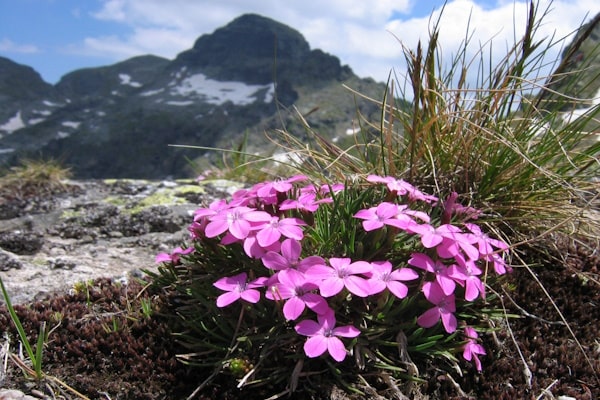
<point>13,124</point>
<point>219,92</point>
<point>126,80</point>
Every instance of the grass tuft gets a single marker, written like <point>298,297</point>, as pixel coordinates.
<point>33,178</point>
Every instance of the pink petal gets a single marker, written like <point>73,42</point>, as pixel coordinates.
<point>429,318</point>
<point>239,228</point>
<point>307,327</point>
<point>447,284</point>
<point>376,286</point>
<point>433,292</point>
<point>275,261</point>
<point>472,288</point>
<point>357,286</point>
<point>163,257</point>
<point>227,298</point>
<point>431,240</point>
<point>215,228</point>
<point>371,225</point>
<point>291,231</point>
<point>336,348</point>
<point>319,272</point>
<point>449,321</point>
<point>293,308</point>
<point>366,214</point>
<point>309,262</point>
<point>398,289</point>
<point>230,283</point>
<point>291,249</point>
<point>291,277</point>
<point>316,303</point>
<point>268,236</point>
<point>346,331</point>
<point>359,267</point>
<point>404,274</point>
<point>250,295</point>
<point>316,345</point>
<point>422,261</point>
<point>331,286</point>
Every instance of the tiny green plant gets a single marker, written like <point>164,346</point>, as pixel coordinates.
<point>147,307</point>
<point>34,354</point>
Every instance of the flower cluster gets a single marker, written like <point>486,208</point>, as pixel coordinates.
<point>272,221</point>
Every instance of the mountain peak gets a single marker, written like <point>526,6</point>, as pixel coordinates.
<point>257,50</point>
<point>252,35</point>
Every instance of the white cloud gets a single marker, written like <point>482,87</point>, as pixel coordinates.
<point>9,46</point>
<point>362,34</point>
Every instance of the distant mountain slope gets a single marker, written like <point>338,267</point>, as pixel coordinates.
<point>119,120</point>
<point>578,74</point>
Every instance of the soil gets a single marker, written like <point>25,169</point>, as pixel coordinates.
<point>75,259</point>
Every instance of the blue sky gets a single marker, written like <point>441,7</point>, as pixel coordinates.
<point>58,36</point>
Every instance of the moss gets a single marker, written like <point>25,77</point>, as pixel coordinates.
<point>67,214</point>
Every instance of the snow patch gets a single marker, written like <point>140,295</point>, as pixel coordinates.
<point>220,92</point>
<point>126,80</point>
<point>152,92</point>
<point>71,124</point>
<point>34,121</point>
<point>62,135</point>
<point>50,104</point>
<point>5,151</point>
<point>180,103</point>
<point>571,116</point>
<point>13,123</point>
<point>352,131</point>
<point>45,113</point>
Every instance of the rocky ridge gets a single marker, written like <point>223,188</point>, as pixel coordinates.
<point>96,229</point>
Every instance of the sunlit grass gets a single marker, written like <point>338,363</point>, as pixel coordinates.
<point>33,178</point>
<point>498,144</point>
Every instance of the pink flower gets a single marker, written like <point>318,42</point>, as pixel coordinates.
<point>466,272</point>
<point>454,242</point>
<point>472,349</point>
<point>498,262</point>
<point>384,214</point>
<point>266,189</point>
<point>382,277</point>
<point>398,186</point>
<point>174,257</point>
<point>253,249</point>
<point>436,267</point>
<point>402,188</point>
<point>237,288</point>
<point>305,202</point>
<point>213,209</point>
<point>486,244</point>
<point>292,286</point>
<point>236,220</point>
<point>340,274</point>
<point>444,307</point>
<point>335,188</point>
<point>289,257</point>
<point>451,207</point>
<point>432,236</point>
<point>271,231</point>
<point>323,336</point>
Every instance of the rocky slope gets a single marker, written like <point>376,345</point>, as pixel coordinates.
<point>95,229</point>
